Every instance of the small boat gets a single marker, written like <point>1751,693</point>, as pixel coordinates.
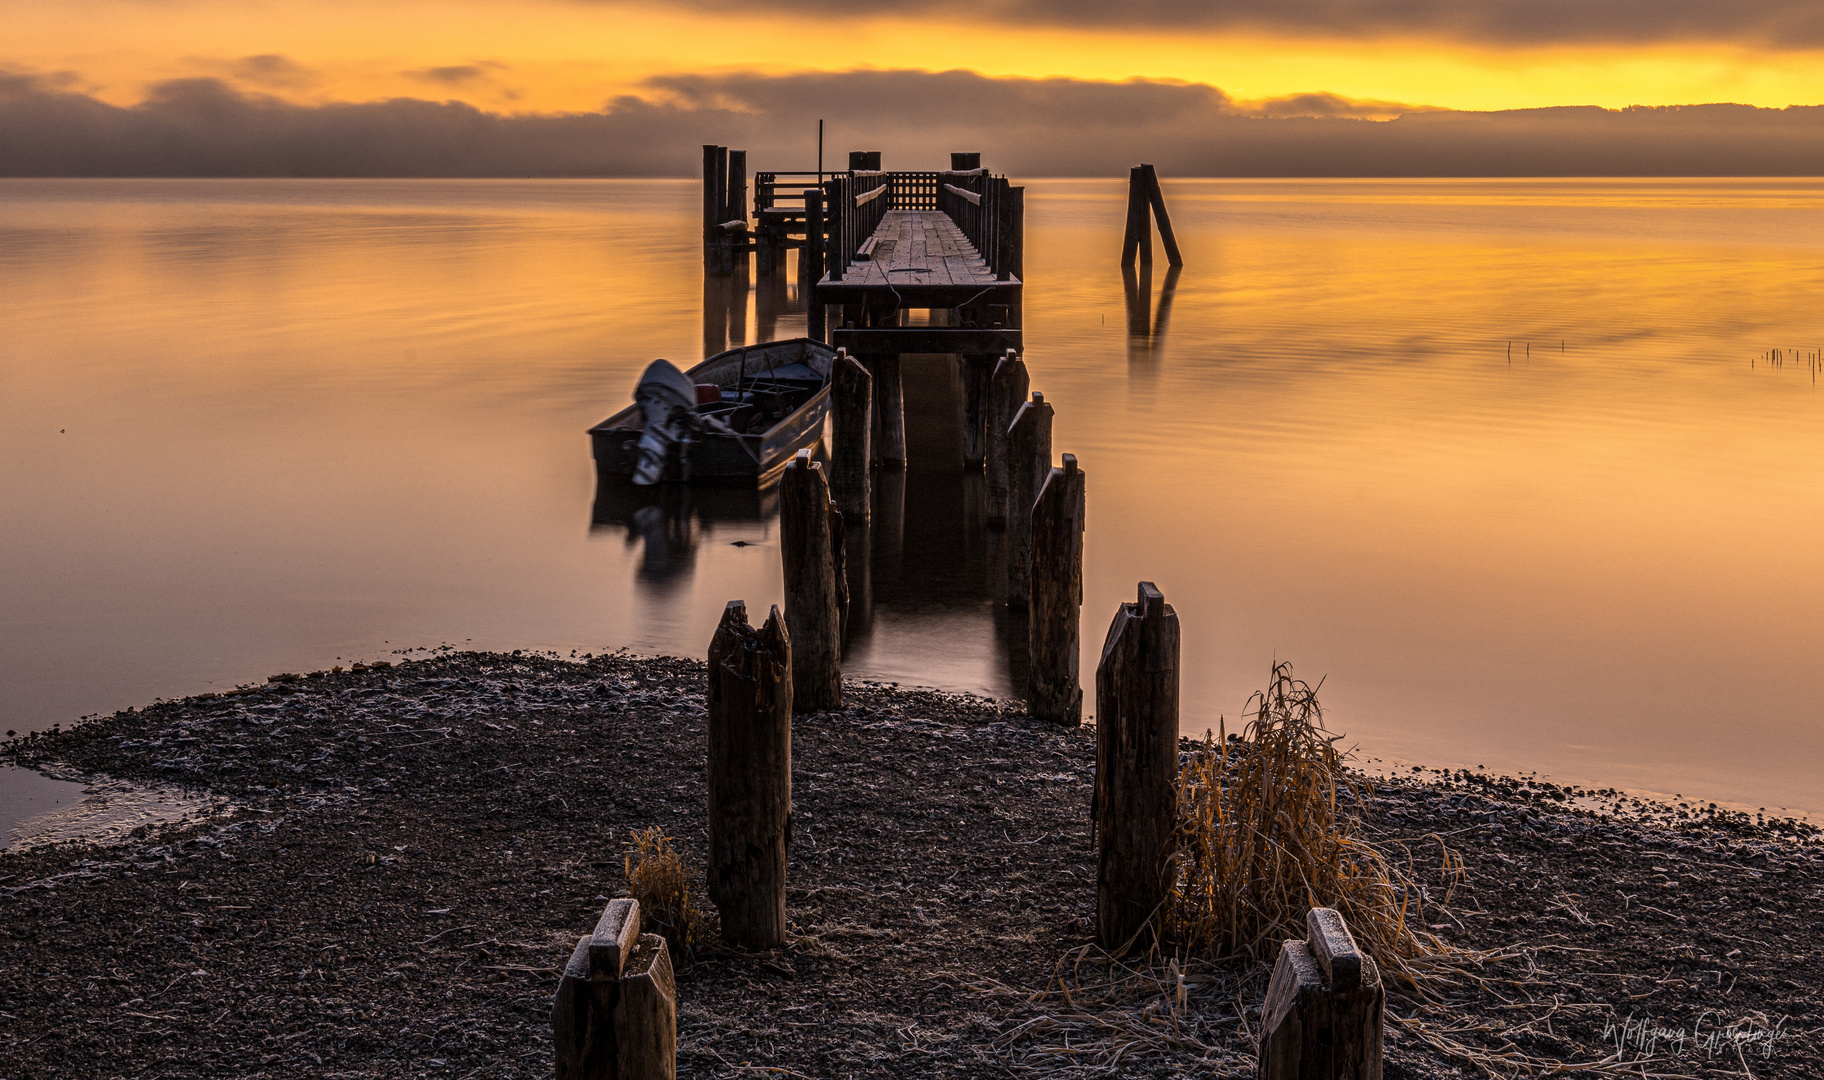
<point>739,415</point>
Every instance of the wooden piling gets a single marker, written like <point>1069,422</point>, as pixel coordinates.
<point>1139,237</point>
<point>1136,768</point>
<point>737,186</point>
<point>615,1014</point>
<point>1007,388</point>
<point>890,408</point>
<point>810,264</point>
<point>1028,462</point>
<point>1323,1014</point>
<point>976,372</point>
<point>750,776</point>
<point>713,201</point>
<point>851,436</point>
<point>813,615</point>
<point>1053,690</point>
<point>1156,198</point>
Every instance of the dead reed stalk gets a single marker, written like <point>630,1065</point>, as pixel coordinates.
<point>1269,826</point>
<point>663,883</point>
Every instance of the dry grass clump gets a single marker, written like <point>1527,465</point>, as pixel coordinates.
<point>1269,827</point>
<point>659,879</point>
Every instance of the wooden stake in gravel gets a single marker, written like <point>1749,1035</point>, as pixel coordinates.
<point>1322,1018</point>
<point>813,614</point>
<point>851,435</point>
<point>1136,766</point>
<point>1006,393</point>
<point>1054,632</point>
<point>1028,463</point>
<point>615,1016</point>
<point>750,776</point>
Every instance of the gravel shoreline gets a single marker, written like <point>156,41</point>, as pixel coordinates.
<point>410,851</point>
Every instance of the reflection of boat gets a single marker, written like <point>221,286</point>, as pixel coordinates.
<point>669,520</point>
<point>738,415</point>
<point>618,501</point>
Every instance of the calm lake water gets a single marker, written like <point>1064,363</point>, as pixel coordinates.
<point>1505,463</point>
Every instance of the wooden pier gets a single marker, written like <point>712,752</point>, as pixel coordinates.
<point>874,248</point>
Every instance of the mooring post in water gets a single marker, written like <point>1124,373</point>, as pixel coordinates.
<point>1323,1014</point>
<point>1028,462</point>
<point>615,1014</point>
<point>1007,389</point>
<point>1139,237</point>
<point>1136,768</point>
<point>750,776</point>
<point>1155,197</point>
<point>851,436</point>
<point>813,611</point>
<point>1053,690</point>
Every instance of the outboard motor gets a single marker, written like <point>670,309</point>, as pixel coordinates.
<point>669,400</point>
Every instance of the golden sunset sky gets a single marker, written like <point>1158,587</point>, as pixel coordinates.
<point>571,56</point>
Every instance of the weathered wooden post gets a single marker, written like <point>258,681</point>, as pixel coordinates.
<point>1136,768</point>
<point>1139,237</point>
<point>851,436</point>
<point>1155,197</point>
<point>1053,690</point>
<point>750,776</point>
<point>1322,1018</point>
<point>813,614</point>
<point>810,263</point>
<point>1007,389</point>
<point>1028,462</point>
<point>615,1014</point>
<point>715,168</point>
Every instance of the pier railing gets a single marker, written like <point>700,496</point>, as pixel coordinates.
<point>990,212</point>
<point>854,203</point>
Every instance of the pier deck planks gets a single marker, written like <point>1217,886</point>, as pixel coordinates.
<point>917,250</point>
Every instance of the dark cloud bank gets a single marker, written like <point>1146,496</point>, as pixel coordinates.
<point>1046,127</point>
<point>1788,24</point>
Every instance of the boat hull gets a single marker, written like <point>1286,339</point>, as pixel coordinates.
<point>725,456</point>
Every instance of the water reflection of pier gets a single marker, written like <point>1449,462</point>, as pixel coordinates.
<point>926,579</point>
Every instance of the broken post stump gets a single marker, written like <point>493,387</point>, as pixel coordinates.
<point>1322,1018</point>
<point>750,776</point>
<point>813,610</point>
<point>615,1014</point>
<point>1007,388</point>
<point>851,435</point>
<point>1053,689</point>
<point>1028,462</point>
<point>1136,804</point>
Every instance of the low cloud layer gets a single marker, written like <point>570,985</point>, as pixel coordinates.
<point>1026,127</point>
<point>1778,24</point>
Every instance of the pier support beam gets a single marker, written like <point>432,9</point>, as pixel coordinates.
<point>813,615</point>
<point>750,776</point>
<point>1007,389</point>
<point>1053,690</point>
<point>851,437</point>
<point>889,409</point>
<point>1136,768</point>
<point>1028,463</point>
<point>977,370</point>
